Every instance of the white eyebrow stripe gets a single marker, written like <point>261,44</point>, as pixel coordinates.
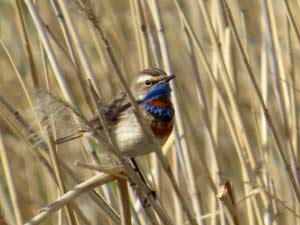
<point>142,78</point>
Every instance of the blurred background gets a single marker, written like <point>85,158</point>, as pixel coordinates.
<point>236,96</point>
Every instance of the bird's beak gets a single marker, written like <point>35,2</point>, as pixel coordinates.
<point>168,78</point>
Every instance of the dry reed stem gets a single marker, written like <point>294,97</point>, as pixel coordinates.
<point>291,19</point>
<point>58,173</point>
<point>239,125</point>
<point>238,122</point>
<point>23,125</point>
<point>65,32</point>
<point>275,213</point>
<point>264,137</point>
<point>281,88</point>
<point>153,46</point>
<point>18,74</point>
<point>219,24</point>
<point>69,196</point>
<point>203,108</point>
<point>277,61</point>
<point>136,17</point>
<point>226,195</point>
<point>236,119</point>
<point>222,103</point>
<point>10,182</point>
<point>26,44</point>
<point>78,46</point>
<point>295,118</point>
<point>98,200</point>
<point>124,202</point>
<point>142,28</point>
<point>181,144</point>
<point>117,172</point>
<point>177,207</point>
<point>43,157</point>
<point>277,139</point>
<point>70,47</point>
<point>50,54</point>
<point>6,209</point>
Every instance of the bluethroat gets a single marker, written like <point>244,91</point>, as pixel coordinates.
<point>151,88</point>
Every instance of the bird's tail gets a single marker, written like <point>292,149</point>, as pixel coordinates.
<point>70,137</point>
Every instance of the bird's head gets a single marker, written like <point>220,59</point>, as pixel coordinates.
<point>151,83</point>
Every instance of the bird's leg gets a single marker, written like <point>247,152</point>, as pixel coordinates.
<point>151,192</point>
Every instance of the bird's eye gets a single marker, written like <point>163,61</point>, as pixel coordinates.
<point>148,82</point>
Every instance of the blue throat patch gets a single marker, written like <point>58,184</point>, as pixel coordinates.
<point>160,91</point>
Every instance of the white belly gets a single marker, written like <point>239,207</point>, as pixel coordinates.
<point>130,137</point>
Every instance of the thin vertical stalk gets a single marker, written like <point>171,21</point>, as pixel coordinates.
<point>142,33</point>
<point>78,46</point>
<point>204,111</point>
<point>281,88</point>
<point>46,44</point>
<point>6,209</point>
<point>276,218</point>
<point>229,88</point>
<point>64,30</point>
<point>135,18</point>
<point>10,182</point>
<point>124,202</point>
<point>294,121</point>
<point>227,54</point>
<point>264,124</point>
<point>75,63</point>
<point>294,105</point>
<point>137,207</point>
<point>277,138</point>
<point>228,116</point>
<point>215,118</point>
<point>149,31</point>
<point>176,205</point>
<point>26,44</point>
<point>42,155</point>
<point>291,19</point>
<point>61,183</point>
<point>182,145</point>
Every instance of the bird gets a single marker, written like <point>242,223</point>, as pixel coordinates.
<point>152,91</point>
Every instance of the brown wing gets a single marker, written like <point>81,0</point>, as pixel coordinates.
<point>112,112</point>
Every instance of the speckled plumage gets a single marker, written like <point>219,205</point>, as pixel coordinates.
<point>156,107</point>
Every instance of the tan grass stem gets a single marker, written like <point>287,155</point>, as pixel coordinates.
<point>277,138</point>
<point>26,44</point>
<point>46,44</point>
<point>42,156</point>
<point>78,45</point>
<point>7,168</point>
<point>69,196</point>
<point>124,203</point>
<point>179,128</point>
